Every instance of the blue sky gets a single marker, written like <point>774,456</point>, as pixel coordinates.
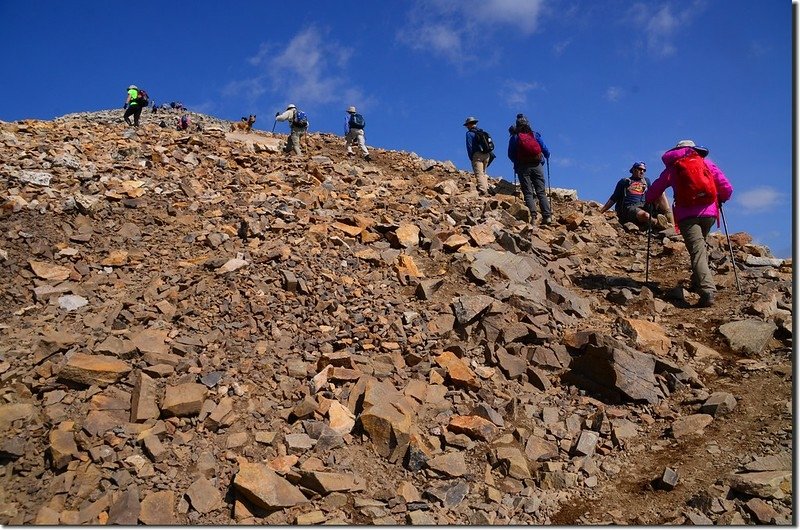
<point>606,82</point>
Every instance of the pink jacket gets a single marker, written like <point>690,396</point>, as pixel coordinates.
<point>664,181</point>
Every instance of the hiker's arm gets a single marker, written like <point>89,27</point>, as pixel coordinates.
<point>545,150</point>
<point>609,203</point>
<point>654,192</point>
<point>470,140</point>
<point>724,188</point>
<point>285,116</point>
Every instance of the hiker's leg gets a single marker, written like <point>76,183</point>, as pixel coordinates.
<point>136,114</point>
<point>128,114</point>
<point>537,176</point>
<point>361,142</point>
<point>294,142</point>
<point>526,184</point>
<point>348,141</point>
<point>662,206</point>
<point>479,167</point>
<point>694,231</point>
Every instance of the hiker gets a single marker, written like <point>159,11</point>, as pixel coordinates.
<point>687,169</point>
<point>479,152</point>
<point>299,127</point>
<point>184,122</point>
<point>629,199</point>
<point>527,151</point>
<point>354,132</point>
<point>132,106</point>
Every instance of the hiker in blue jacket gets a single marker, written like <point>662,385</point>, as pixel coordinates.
<point>479,158</point>
<point>529,168</point>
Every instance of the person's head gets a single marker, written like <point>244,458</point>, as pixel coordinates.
<point>351,110</point>
<point>638,169</point>
<point>523,127</point>
<point>470,122</point>
<point>702,151</point>
<point>522,120</point>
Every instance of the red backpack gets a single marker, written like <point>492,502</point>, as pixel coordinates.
<point>693,183</point>
<point>528,149</point>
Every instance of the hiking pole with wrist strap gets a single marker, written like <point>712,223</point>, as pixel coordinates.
<point>730,247</point>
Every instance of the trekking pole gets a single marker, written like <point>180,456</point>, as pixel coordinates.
<point>649,234</point>
<point>549,189</point>
<point>730,247</point>
<point>274,123</point>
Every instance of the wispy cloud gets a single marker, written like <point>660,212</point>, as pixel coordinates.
<point>309,69</point>
<point>515,93</point>
<point>659,25</point>
<point>758,199</point>
<point>560,47</point>
<point>614,93</point>
<point>452,35</point>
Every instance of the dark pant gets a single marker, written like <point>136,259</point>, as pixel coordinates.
<point>531,180</point>
<point>134,110</point>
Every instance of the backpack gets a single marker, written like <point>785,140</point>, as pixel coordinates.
<point>485,142</point>
<point>185,121</point>
<point>528,149</point>
<point>142,99</point>
<point>693,184</point>
<point>300,119</point>
<point>356,121</point>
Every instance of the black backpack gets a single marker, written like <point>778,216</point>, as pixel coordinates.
<point>142,99</point>
<point>485,142</point>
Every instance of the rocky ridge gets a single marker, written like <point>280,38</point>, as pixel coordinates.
<point>199,329</point>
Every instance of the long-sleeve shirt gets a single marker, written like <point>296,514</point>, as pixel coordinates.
<point>288,115</point>
<point>472,140</point>
<point>512,148</point>
<point>666,179</point>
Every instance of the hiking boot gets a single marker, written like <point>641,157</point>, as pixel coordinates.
<point>662,222</point>
<point>368,158</point>
<point>547,220</point>
<point>706,299</point>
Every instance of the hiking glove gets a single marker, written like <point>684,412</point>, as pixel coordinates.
<point>124,105</point>
<point>277,114</point>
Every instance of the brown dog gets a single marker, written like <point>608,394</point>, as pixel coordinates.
<point>245,124</point>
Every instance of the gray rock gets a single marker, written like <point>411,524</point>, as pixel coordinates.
<point>748,336</point>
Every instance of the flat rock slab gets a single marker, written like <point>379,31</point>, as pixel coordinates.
<point>748,336</point>
<point>264,488</point>
<point>100,370</point>
<point>692,424</point>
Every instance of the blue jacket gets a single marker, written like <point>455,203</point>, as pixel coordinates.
<point>472,145</point>
<point>512,149</point>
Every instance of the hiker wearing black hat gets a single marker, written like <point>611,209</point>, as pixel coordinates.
<point>132,106</point>
<point>354,133</point>
<point>629,199</point>
<point>699,187</point>
<point>479,152</point>
<point>527,151</point>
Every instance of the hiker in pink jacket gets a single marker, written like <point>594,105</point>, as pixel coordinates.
<point>694,221</point>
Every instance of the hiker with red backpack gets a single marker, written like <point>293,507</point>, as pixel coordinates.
<point>699,187</point>
<point>527,151</point>
<point>629,199</point>
<point>134,103</point>
<point>479,152</point>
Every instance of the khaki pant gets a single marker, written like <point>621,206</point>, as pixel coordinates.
<point>694,231</point>
<point>355,137</point>
<point>293,143</point>
<point>479,162</point>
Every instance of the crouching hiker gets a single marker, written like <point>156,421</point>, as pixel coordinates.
<point>698,186</point>
<point>629,199</point>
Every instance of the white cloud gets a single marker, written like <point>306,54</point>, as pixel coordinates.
<point>758,199</point>
<point>458,24</point>
<point>560,47</point>
<point>515,93</point>
<point>309,70</point>
<point>659,25</point>
<point>614,93</point>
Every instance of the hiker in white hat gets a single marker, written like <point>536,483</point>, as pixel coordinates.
<point>479,152</point>
<point>354,133</point>
<point>299,127</point>
<point>699,187</point>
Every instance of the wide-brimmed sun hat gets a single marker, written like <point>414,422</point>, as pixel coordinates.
<point>351,109</point>
<point>702,151</point>
<point>469,120</point>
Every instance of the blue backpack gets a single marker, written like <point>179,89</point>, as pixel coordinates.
<point>300,119</point>
<point>356,121</point>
